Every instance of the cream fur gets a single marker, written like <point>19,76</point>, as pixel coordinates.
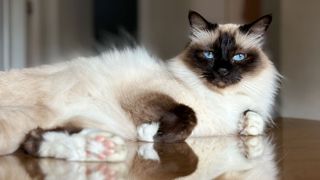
<point>219,112</point>
<point>87,91</point>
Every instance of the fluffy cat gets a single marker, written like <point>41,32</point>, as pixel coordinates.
<point>222,83</point>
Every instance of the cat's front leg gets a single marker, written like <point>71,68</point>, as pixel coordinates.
<point>251,123</point>
<point>75,144</point>
<point>174,125</point>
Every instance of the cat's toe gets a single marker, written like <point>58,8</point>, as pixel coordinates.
<point>147,131</point>
<point>252,124</point>
<point>102,146</point>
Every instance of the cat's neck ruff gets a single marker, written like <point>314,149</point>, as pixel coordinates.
<point>262,87</point>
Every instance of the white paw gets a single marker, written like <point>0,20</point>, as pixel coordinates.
<point>146,131</point>
<point>252,147</point>
<point>252,124</point>
<point>104,146</point>
<point>147,152</point>
<point>88,145</point>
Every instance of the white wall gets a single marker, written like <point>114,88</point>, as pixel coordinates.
<point>300,58</point>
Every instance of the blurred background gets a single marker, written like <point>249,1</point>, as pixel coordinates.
<point>34,32</point>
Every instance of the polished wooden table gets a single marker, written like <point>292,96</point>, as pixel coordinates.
<point>298,149</point>
<point>290,151</point>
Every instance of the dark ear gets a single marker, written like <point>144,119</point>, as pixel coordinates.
<point>199,22</point>
<point>258,27</point>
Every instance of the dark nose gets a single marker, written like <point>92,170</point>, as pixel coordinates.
<point>223,71</point>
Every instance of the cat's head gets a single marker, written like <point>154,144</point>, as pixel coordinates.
<point>223,54</point>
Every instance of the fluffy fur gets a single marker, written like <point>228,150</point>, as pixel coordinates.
<point>91,92</point>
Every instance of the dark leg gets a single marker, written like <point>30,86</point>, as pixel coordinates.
<point>34,138</point>
<point>176,124</point>
<point>159,117</point>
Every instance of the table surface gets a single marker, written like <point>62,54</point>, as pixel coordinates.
<point>291,150</point>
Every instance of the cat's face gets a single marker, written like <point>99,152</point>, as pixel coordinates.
<point>222,55</point>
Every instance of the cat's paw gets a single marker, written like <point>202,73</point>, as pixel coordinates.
<point>147,131</point>
<point>147,152</point>
<point>86,145</point>
<point>251,147</point>
<point>104,146</point>
<point>251,123</point>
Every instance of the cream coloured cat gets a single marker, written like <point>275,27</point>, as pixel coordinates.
<point>222,83</point>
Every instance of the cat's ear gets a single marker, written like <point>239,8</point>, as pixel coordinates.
<point>257,27</point>
<point>196,21</point>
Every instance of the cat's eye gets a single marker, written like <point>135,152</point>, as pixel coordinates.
<point>209,55</point>
<point>239,57</point>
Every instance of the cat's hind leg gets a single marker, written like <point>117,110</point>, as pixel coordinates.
<point>15,123</point>
<point>75,144</point>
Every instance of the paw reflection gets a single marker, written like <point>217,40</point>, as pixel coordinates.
<point>175,160</point>
<point>252,146</point>
<point>146,151</point>
<point>105,171</point>
<point>58,169</point>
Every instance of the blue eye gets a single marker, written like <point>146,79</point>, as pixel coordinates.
<point>208,55</point>
<point>239,57</point>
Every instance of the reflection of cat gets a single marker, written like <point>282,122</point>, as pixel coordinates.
<point>233,158</point>
<point>207,158</point>
<point>247,158</point>
<point>221,83</point>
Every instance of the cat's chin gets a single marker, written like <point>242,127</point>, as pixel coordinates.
<point>221,84</point>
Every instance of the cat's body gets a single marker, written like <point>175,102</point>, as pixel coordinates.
<point>128,92</point>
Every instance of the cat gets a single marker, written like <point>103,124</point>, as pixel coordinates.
<point>222,83</point>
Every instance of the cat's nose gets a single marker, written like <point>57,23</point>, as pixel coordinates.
<point>223,71</point>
